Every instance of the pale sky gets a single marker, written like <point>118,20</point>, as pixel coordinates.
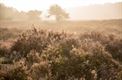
<point>77,9</point>
<point>25,5</point>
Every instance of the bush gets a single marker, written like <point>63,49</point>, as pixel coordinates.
<point>52,55</point>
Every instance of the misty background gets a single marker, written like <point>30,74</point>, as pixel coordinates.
<point>90,12</point>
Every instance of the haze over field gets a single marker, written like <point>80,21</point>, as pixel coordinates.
<point>97,12</point>
<point>78,10</point>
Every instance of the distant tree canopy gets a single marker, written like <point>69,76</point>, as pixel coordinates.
<point>58,12</point>
<point>8,13</point>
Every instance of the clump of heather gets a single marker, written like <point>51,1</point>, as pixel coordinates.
<point>49,55</point>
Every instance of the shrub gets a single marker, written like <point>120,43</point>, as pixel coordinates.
<point>52,55</point>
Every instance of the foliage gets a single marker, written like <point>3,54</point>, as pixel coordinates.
<point>49,55</point>
<point>58,12</point>
<point>11,14</point>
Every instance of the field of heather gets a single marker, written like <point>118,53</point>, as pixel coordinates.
<point>77,50</point>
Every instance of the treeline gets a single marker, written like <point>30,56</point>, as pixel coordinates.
<point>9,13</point>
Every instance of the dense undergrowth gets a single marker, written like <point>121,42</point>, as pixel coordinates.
<point>48,55</point>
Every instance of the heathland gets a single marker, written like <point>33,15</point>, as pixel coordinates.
<point>65,50</point>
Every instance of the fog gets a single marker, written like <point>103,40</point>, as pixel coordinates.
<point>91,12</point>
<point>97,12</point>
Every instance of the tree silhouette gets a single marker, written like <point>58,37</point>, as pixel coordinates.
<point>58,12</point>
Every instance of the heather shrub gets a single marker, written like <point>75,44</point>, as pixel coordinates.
<point>17,74</point>
<point>115,48</point>
<point>3,51</point>
<point>85,61</point>
<point>39,71</point>
<point>16,71</point>
<point>37,40</point>
<point>32,57</point>
<point>111,42</point>
<point>4,56</point>
<point>96,36</point>
<point>82,63</point>
<point>49,55</point>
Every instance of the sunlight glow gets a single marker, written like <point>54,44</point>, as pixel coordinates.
<point>26,5</point>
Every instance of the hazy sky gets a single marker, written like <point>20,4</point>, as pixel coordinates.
<point>78,9</point>
<point>26,5</point>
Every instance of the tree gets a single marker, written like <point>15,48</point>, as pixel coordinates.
<point>58,12</point>
<point>7,13</point>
